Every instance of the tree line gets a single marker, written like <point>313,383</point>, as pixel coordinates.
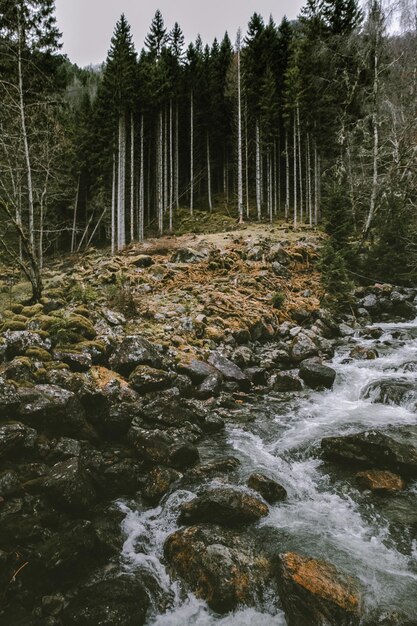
<point>311,120</point>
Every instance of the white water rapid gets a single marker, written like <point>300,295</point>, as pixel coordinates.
<point>325,515</point>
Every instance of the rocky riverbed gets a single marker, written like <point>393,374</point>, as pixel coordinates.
<point>120,394</point>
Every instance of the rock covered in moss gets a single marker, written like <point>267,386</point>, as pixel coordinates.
<point>145,379</point>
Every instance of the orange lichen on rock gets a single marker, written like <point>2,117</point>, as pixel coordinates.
<point>380,480</point>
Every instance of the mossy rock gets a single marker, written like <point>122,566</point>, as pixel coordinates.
<point>55,365</point>
<point>13,325</point>
<point>31,311</point>
<point>38,354</point>
<point>43,334</point>
<point>95,344</point>
<point>16,307</point>
<point>54,293</point>
<point>41,375</point>
<point>45,322</point>
<point>81,325</point>
<point>83,311</point>
<point>15,317</point>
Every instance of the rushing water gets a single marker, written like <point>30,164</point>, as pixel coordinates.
<point>324,516</point>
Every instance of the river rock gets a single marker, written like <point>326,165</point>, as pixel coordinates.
<point>196,370</point>
<point>158,482</point>
<point>51,408</point>
<point>227,506</point>
<point>133,351</point>
<point>120,601</point>
<point>315,593</point>
<point>210,387</point>
<point>221,567</point>
<point>303,347</point>
<point>392,391</point>
<point>15,439</point>
<point>317,375</point>
<point>145,379</point>
<point>287,381</point>
<point>396,452</point>
<point>269,489</point>
<point>363,354</point>
<point>9,483</point>
<point>215,468</point>
<point>69,486</point>
<point>380,481</point>
<point>229,370</point>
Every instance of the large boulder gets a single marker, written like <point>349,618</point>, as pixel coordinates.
<point>380,481</point>
<point>392,391</point>
<point>133,351</point>
<point>51,408</point>
<point>69,486</point>
<point>315,593</point>
<point>120,601</point>
<point>269,489</point>
<point>145,379</point>
<point>196,370</point>
<point>303,347</point>
<point>18,341</point>
<point>221,567</point>
<point>396,452</point>
<point>227,506</point>
<point>15,439</point>
<point>9,400</point>
<point>317,375</point>
<point>229,370</point>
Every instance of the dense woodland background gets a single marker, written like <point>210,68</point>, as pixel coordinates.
<point>313,121</point>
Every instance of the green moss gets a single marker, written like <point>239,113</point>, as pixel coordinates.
<point>81,325</point>
<point>45,322</point>
<point>54,365</point>
<point>54,294</point>
<point>278,299</point>
<point>38,354</point>
<point>13,325</point>
<point>83,311</point>
<point>31,311</point>
<point>16,307</point>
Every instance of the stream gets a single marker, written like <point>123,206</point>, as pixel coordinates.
<point>325,515</point>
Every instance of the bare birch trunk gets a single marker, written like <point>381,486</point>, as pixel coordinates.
<point>247,162</point>
<point>275,178</point>
<point>74,221</point>
<point>177,200</point>
<point>239,143</point>
<point>165,152</point>
<point>316,185</point>
<point>375,148</point>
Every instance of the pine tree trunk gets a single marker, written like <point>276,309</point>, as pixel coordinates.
<point>166,196</point>
<point>159,183</point>
<point>310,200</point>
<point>275,178</point>
<point>258,171</point>
<point>141,185</point>
<point>295,168</point>
<point>177,200</point>
<point>239,144</point>
<point>113,207</point>
<point>132,177</point>
<point>316,185</point>
<point>74,221</point>
<point>287,177</point>
<point>247,162</point>
<point>121,236</point>
<point>171,171</point>
<point>279,174</point>
<point>300,169</point>
<point>191,153</point>
<point>209,173</point>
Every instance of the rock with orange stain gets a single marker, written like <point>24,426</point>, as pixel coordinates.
<point>220,566</point>
<point>315,593</point>
<point>380,481</point>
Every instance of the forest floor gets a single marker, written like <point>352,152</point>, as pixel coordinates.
<point>192,290</point>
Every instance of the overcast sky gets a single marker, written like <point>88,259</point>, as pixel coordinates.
<point>87,25</point>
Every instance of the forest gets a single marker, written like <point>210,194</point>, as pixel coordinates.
<point>311,121</point>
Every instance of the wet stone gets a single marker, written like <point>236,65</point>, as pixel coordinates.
<point>269,489</point>
<point>380,481</point>
<point>227,506</point>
